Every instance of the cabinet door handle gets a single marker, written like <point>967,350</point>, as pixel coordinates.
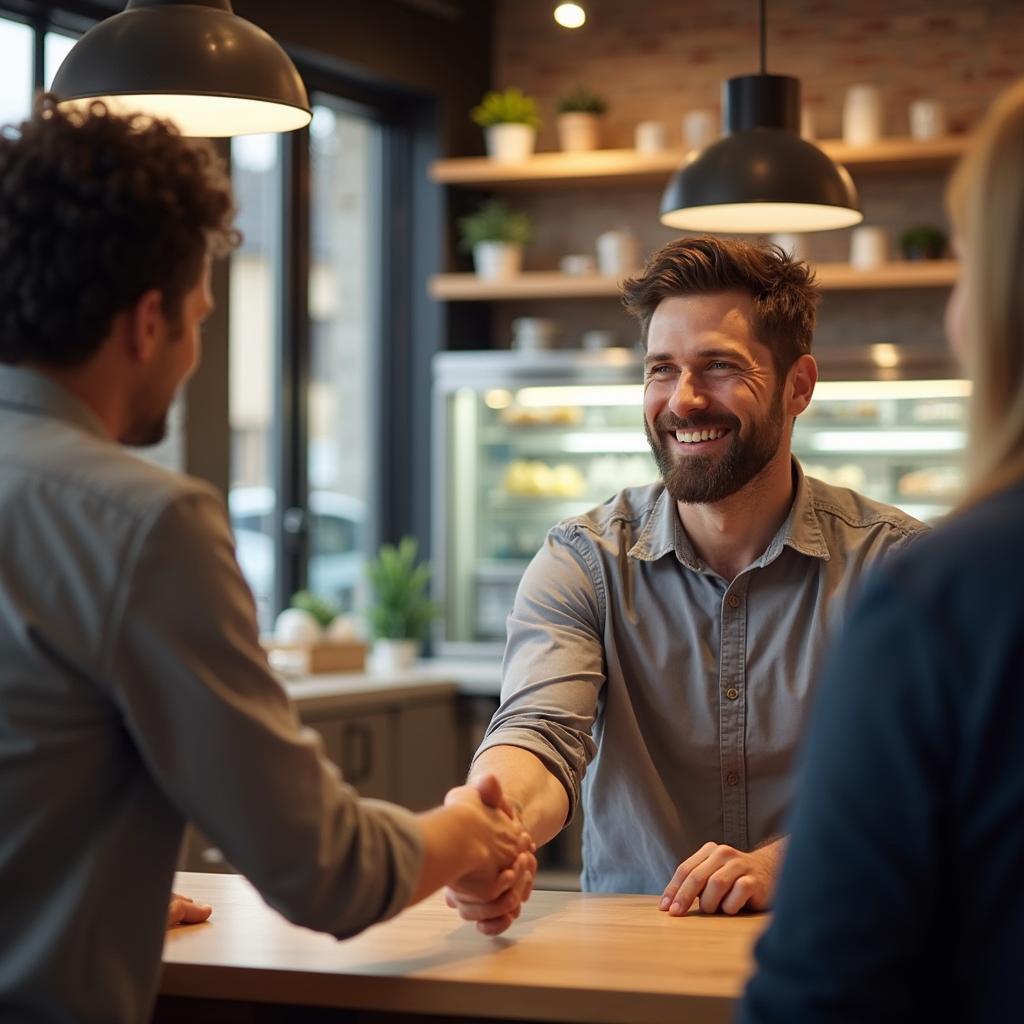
<point>358,752</point>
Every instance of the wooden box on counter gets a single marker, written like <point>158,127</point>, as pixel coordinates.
<point>328,656</point>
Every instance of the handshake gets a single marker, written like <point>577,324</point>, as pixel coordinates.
<point>493,892</point>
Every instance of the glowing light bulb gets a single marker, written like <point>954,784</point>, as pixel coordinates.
<point>570,15</point>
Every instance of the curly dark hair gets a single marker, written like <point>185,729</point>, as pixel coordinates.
<point>95,210</point>
<point>782,288</point>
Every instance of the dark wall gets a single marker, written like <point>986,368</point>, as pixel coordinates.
<point>438,47</point>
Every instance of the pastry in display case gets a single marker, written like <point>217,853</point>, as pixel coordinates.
<point>524,441</point>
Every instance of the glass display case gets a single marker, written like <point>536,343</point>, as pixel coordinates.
<point>525,440</point>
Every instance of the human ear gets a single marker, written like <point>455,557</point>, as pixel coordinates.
<point>147,325</point>
<point>800,381</point>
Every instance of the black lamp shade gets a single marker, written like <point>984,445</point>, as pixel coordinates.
<point>761,177</point>
<point>198,64</point>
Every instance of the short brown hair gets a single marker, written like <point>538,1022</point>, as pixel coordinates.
<point>96,210</point>
<point>782,288</point>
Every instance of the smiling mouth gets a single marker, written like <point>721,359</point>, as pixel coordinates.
<point>699,436</point>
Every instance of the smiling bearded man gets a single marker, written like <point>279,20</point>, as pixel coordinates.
<point>667,643</point>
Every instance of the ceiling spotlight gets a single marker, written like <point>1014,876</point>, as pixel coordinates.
<point>570,15</point>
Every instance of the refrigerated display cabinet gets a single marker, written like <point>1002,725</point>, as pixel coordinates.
<point>525,440</point>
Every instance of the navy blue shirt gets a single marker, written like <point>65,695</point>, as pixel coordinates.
<point>902,895</point>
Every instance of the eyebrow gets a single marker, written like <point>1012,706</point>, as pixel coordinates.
<point>704,353</point>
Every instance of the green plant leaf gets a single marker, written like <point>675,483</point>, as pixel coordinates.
<point>323,610</point>
<point>509,107</point>
<point>401,609</point>
<point>581,100</point>
<point>495,222</point>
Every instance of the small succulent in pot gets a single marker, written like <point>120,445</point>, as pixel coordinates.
<point>579,112</point>
<point>923,242</point>
<point>496,234</point>
<point>581,100</point>
<point>510,121</point>
<point>512,106</point>
<point>495,221</point>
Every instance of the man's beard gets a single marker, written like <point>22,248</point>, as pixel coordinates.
<point>705,479</point>
<point>147,434</point>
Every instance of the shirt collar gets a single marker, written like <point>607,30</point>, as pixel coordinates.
<point>663,532</point>
<point>34,392</point>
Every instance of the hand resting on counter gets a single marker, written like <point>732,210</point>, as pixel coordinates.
<point>725,879</point>
<point>185,910</point>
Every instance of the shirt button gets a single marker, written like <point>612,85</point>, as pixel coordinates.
<point>732,778</point>
<point>732,693</point>
<point>734,601</point>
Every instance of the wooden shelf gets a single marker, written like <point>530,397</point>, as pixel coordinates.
<point>554,285</point>
<point>627,166</point>
<point>899,274</point>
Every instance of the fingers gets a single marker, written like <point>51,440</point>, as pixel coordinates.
<point>670,897</point>
<point>490,792</point>
<point>495,912</point>
<point>743,892</point>
<point>184,910</point>
<point>724,879</point>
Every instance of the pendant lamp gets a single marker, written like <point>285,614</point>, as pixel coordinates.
<point>198,64</point>
<point>761,177</point>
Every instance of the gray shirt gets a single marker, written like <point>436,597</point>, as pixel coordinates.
<point>134,695</point>
<point>681,695</point>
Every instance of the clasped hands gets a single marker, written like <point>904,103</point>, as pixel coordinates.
<point>494,900</point>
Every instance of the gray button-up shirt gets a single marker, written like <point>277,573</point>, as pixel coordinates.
<point>681,695</point>
<point>133,695</point>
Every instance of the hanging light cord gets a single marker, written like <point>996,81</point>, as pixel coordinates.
<point>763,31</point>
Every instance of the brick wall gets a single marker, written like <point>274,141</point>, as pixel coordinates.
<point>655,59</point>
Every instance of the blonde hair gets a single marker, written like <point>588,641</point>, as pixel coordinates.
<point>986,205</point>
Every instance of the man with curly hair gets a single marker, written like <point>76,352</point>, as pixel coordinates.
<point>667,643</point>
<point>133,691</point>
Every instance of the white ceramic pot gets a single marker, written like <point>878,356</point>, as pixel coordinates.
<point>390,656</point>
<point>497,260</point>
<point>577,132</point>
<point>510,142</point>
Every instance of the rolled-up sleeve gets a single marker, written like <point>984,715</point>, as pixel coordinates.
<point>554,670</point>
<point>219,735</point>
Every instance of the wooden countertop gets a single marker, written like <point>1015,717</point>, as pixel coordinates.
<point>572,957</point>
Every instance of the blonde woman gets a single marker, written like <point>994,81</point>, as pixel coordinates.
<point>902,897</point>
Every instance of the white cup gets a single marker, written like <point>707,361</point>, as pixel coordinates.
<point>807,130</point>
<point>576,263</point>
<point>869,247</point>
<point>862,115</point>
<point>700,127</point>
<point>531,333</point>
<point>650,137</point>
<point>617,253</point>
<point>596,339</point>
<point>795,243</point>
<point>927,119</point>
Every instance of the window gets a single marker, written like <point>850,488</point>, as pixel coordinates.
<point>255,268</point>
<point>343,290</point>
<point>56,47</point>
<point>16,72</point>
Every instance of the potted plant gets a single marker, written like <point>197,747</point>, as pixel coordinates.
<point>496,235</point>
<point>923,242</point>
<point>400,610</point>
<point>578,114</point>
<point>510,122</point>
